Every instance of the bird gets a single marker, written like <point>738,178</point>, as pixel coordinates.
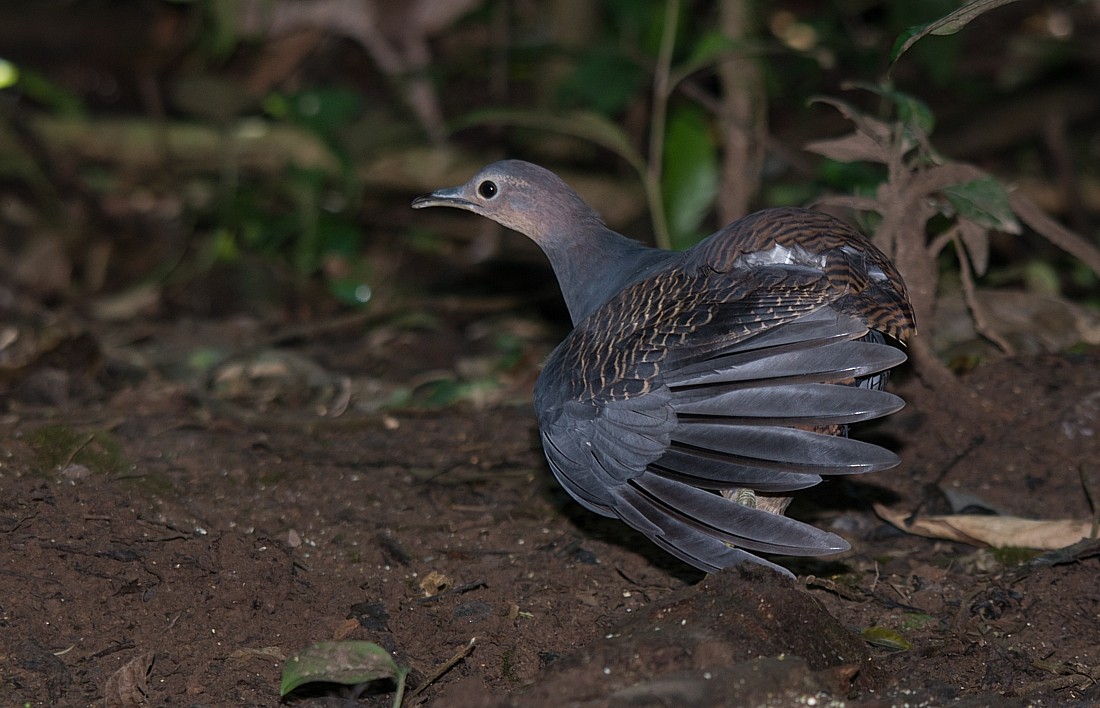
<point>699,388</point>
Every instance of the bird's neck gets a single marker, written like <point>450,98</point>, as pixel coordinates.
<point>593,266</point>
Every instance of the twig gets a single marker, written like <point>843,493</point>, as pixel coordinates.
<point>1085,548</point>
<point>901,593</point>
<point>1088,481</point>
<point>342,399</point>
<point>87,441</point>
<point>812,581</point>
<point>652,177</point>
<point>970,295</point>
<point>1078,676</point>
<point>1054,232</point>
<point>459,590</point>
<point>974,443</point>
<point>661,88</point>
<point>447,666</point>
<point>1054,684</point>
<point>114,648</point>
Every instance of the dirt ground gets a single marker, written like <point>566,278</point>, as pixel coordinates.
<point>380,478</point>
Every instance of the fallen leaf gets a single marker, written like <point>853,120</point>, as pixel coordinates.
<point>127,305</point>
<point>346,628</point>
<point>434,583</point>
<point>996,531</point>
<point>886,638</point>
<point>128,686</point>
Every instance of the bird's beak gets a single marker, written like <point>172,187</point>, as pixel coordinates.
<point>443,197</point>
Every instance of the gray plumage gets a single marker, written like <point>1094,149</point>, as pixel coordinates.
<point>736,364</point>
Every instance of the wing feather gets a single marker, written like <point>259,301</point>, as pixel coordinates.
<point>688,383</point>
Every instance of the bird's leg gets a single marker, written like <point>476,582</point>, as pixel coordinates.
<point>742,495</point>
<point>765,502</point>
<point>776,504</point>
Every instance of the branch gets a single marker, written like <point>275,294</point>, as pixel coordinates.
<point>1052,231</point>
<point>970,295</point>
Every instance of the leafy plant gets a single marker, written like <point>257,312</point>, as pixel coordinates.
<point>923,188</point>
<point>680,167</point>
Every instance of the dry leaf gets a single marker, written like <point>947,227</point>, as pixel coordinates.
<point>872,127</point>
<point>997,531</point>
<point>127,687</point>
<point>855,147</point>
<point>976,239</point>
<point>434,583</point>
<point>346,629</point>
<point>127,305</point>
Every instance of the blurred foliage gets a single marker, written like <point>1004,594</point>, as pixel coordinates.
<point>638,83</point>
<point>38,88</point>
<point>58,446</point>
<point>689,181</point>
<point>605,81</point>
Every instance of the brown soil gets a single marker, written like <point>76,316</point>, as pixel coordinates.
<point>213,529</point>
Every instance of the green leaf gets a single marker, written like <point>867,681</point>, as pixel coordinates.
<point>604,82</point>
<point>689,180</point>
<point>340,662</point>
<point>984,201</point>
<point>53,95</point>
<point>946,25</point>
<point>9,74</point>
<point>888,638</point>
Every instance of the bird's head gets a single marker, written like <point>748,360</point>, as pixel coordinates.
<point>522,197</point>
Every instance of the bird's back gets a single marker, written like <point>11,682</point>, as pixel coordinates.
<point>873,288</point>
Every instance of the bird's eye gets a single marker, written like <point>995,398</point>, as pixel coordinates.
<point>487,189</point>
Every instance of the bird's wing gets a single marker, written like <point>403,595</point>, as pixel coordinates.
<point>689,382</point>
<point>870,286</point>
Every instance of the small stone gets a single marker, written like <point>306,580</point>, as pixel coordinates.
<point>76,471</point>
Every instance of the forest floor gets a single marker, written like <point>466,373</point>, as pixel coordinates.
<point>190,531</point>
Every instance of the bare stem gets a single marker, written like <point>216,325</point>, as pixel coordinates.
<point>657,124</point>
<point>970,295</point>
